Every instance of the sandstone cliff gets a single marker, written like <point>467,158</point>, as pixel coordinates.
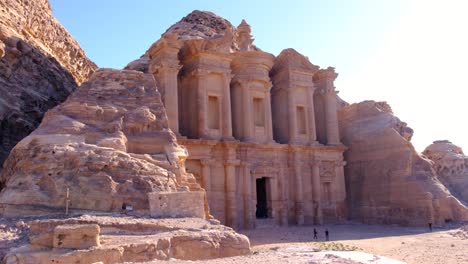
<point>451,166</point>
<point>108,143</point>
<point>387,180</point>
<point>40,65</point>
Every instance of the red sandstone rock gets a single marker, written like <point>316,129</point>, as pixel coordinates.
<point>40,65</point>
<point>451,166</point>
<point>388,182</point>
<point>108,145</point>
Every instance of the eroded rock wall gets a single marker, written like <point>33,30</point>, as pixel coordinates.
<point>451,166</point>
<point>108,144</point>
<point>40,65</point>
<point>388,182</point>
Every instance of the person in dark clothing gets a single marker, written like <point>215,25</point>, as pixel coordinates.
<point>326,234</point>
<point>315,234</point>
<point>430,227</point>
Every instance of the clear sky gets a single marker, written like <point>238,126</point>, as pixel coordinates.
<point>411,53</point>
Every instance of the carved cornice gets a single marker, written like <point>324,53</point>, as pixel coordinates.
<point>291,60</point>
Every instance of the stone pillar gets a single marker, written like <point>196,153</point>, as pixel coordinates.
<point>316,195</point>
<point>268,119</point>
<point>248,116</point>
<point>202,104</point>
<point>249,212</point>
<point>253,201</point>
<point>230,185</point>
<point>292,118</point>
<point>275,199</point>
<point>284,195</point>
<point>231,206</point>
<point>312,128</point>
<point>165,68</point>
<point>333,136</point>
<point>324,80</point>
<point>227,115</point>
<point>299,191</point>
<point>206,175</point>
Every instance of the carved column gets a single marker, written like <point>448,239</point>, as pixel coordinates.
<point>165,68</point>
<point>269,124</point>
<point>292,117</point>
<point>249,215</point>
<point>333,137</point>
<point>324,80</point>
<point>284,195</point>
<point>231,207</point>
<point>248,116</point>
<point>316,194</point>
<point>312,128</point>
<point>230,183</point>
<point>299,191</point>
<point>202,104</point>
<point>227,115</point>
<point>206,175</point>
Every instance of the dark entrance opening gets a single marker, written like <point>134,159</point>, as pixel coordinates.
<point>262,209</point>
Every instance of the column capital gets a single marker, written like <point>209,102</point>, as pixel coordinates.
<point>167,66</point>
<point>245,163</point>
<point>232,162</point>
<point>207,162</point>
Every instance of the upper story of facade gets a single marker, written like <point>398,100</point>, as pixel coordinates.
<point>225,88</point>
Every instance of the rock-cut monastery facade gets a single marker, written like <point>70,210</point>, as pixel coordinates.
<point>261,131</point>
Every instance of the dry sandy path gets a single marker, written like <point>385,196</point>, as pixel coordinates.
<point>408,244</point>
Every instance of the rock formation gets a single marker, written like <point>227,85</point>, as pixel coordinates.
<point>451,166</point>
<point>122,239</point>
<point>40,65</point>
<point>110,137</point>
<point>387,181</point>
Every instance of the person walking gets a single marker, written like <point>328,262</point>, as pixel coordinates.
<point>430,227</point>
<point>326,234</point>
<point>315,234</point>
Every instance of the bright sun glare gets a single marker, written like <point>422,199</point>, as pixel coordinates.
<point>421,71</point>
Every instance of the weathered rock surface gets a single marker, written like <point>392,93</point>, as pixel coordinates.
<point>108,144</point>
<point>387,180</point>
<point>451,166</point>
<point>40,65</point>
<point>142,64</point>
<point>127,239</point>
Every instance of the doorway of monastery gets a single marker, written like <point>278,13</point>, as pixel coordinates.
<point>262,198</point>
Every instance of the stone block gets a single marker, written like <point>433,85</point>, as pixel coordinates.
<point>177,204</point>
<point>76,236</point>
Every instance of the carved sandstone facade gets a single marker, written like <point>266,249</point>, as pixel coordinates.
<point>261,132</point>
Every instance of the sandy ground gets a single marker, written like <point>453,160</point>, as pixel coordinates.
<point>408,244</point>
<point>411,245</point>
<point>349,243</point>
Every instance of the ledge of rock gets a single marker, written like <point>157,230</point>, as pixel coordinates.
<point>117,239</point>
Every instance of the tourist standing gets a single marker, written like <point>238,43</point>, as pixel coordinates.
<point>326,234</point>
<point>315,234</point>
